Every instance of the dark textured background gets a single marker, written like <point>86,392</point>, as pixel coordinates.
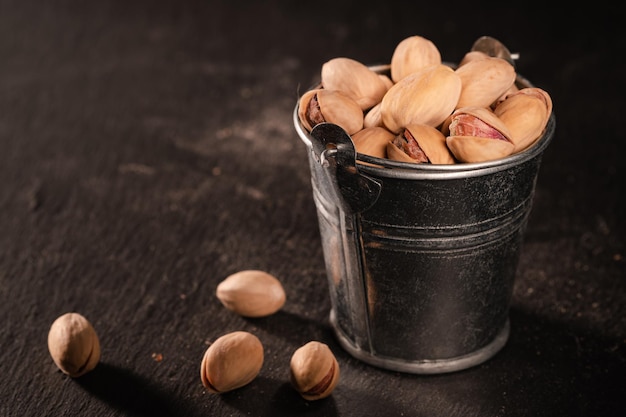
<point>147,152</point>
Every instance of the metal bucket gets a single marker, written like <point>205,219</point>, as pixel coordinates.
<point>420,258</point>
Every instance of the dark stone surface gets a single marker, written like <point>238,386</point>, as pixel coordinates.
<point>147,152</point>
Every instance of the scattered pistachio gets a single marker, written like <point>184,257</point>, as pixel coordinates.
<point>73,344</point>
<point>251,293</point>
<point>232,361</point>
<point>314,371</point>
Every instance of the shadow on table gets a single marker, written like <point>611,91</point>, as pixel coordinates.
<point>130,393</point>
<point>280,399</point>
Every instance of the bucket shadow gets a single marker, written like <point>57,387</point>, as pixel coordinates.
<point>284,400</point>
<point>129,393</point>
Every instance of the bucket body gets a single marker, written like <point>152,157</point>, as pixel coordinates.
<point>420,258</point>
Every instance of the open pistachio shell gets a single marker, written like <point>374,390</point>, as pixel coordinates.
<point>484,81</point>
<point>322,105</point>
<point>478,135</point>
<point>372,141</point>
<point>356,80</point>
<point>525,113</point>
<point>413,54</point>
<point>425,141</point>
<point>314,371</point>
<point>426,96</point>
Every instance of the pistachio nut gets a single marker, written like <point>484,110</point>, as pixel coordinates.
<point>73,344</point>
<point>412,54</point>
<point>478,135</point>
<point>472,56</point>
<point>373,117</point>
<point>314,371</point>
<point>525,113</point>
<point>355,80</point>
<point>372,141</point>
<point>251,293</point>
<point>232,361</point>
<point>426,96</point>
<point>386,80</point>
<point>332,106</point>
<point>420,144</point>
<point>484,80</point>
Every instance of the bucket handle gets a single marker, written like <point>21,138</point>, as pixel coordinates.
<point>333,149</point>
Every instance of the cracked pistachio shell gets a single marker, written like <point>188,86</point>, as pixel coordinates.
<point>332,107</point>
<point>426,96</point>
<point>478,135</point>
<point>251,293</point>
<point>412,54</point>
<point>372,141</point>
<point>232,361</point>
<point>525,113</point>
<point>429,140</point>
<point>354,79</point>
<point>73,344</point>
<point>484,80</point>
<point>314,371</point>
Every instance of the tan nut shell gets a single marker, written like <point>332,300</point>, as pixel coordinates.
<point>525,113</point>
<point>430,140</point>
<point>373,117</point>
<point>73,344</point>
<point>251,293</point>
<point>335,106</point>
<point>372,141</point>
<point>412,54</point>
<point>354,79</point>
<point>232,361</point>
<point>475,148</point>
<point>314,371</point>
<point>484,81</point>
<point>426,97</point>
<point>472,56</point>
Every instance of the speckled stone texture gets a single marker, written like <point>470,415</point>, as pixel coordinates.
<point>147,151</point>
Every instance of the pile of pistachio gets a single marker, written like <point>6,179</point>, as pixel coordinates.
<point>232,360</point>
<point>422,110</point>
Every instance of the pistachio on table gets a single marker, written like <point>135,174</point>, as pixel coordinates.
<point>231,361</point>
<point>251,293</point>
<point>314,371</point>
<point>73,344</point>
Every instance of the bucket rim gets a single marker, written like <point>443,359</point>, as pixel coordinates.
<point>381,167</point>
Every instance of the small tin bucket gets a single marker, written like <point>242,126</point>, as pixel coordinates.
<point>420,258</point>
